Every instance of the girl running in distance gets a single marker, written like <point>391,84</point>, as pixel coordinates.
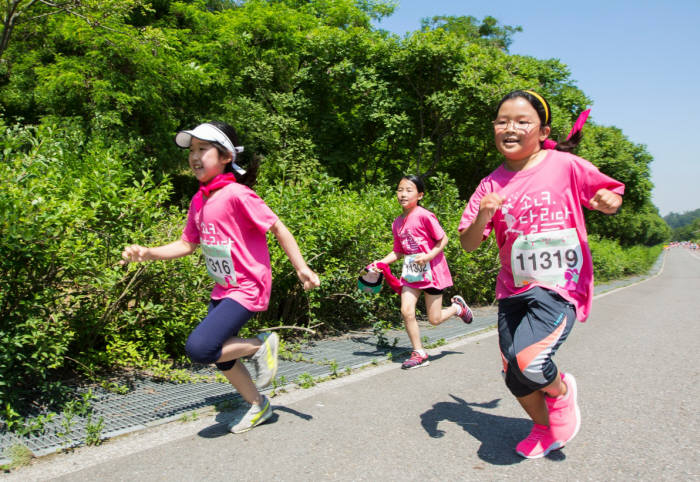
<point>419,238</point>
<point>229,221</point>
<point>533,202</point>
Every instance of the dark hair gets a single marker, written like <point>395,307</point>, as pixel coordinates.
<point>420,186</point>
<point>544,112</point>
<point>251,161</point>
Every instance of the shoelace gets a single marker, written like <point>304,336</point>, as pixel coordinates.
<point>415,356</point>
<point>538,433</point>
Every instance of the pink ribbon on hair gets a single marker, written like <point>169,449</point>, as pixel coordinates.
<point>393,281</point>
<point>206,189</point>
<point>578,125</point>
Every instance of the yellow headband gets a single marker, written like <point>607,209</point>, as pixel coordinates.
<point>544,104</point>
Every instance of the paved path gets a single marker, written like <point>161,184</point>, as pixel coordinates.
<point>635,360</point>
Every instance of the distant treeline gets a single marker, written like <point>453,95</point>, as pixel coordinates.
<point>686,226</point>
<point>676,220</point>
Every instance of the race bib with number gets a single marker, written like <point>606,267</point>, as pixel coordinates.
<point>553,258</point>
<point>219,264</point>
<point>413,272</point>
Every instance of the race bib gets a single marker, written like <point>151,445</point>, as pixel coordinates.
<point>220,264</point>
<point>553,258</point>
<point>413,272</point>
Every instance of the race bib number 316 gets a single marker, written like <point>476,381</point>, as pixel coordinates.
<point>553,258</point>
<point>220,264</point>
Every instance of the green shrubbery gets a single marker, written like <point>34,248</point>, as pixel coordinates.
<point>67,207</point>
<point>611,261</point>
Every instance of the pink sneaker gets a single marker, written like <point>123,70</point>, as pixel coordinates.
<point>464,311</point>
<point>538,444</point>
<point>416,361</point>
<point>564,414</point>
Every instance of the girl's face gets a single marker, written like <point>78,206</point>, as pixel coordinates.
<point>205,160</point>
<point>408,195</point>
<point>518,131</point>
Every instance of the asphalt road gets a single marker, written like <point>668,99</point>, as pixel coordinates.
<point>635,360</point>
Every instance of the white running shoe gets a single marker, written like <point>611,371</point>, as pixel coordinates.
<point>265,359</point>
<point>256,415</point>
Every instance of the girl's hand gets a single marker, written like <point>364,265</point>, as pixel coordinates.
<point>308,278</point>
<point>135,253</point>
<point>606,201</point>
<point>489,205</point>
<point>422,259</point>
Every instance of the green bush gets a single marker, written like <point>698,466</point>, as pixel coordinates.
<point>67,208</point>
<point>612,261</point>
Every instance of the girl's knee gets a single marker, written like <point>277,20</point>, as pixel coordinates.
<point>434,320</point>
<point>408,312</point>
<point>199,350</point>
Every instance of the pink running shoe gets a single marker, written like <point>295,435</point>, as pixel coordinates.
<point>538,444</point>
<point>464,311</point>
<point>564,414</point>
<point>416,361</point>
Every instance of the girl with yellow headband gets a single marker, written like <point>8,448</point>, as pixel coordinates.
<point>533,202</point>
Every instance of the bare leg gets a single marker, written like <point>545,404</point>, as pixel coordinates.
<point>239,377</point>
<point>436,313</point>
<point>235,348</point>
<point>409,298</point>
<point>534,403</point>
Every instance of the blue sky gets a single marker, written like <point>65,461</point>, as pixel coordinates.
<point>639,62</point>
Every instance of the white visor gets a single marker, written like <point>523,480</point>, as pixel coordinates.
<point>209,133</point>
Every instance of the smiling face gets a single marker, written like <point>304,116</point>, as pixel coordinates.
<point>408,195</point>
<point>205,160</point>
<point>518,130</point>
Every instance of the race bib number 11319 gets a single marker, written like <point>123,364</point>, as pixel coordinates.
<point>553,258</point>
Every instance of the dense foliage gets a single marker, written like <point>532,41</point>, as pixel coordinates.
<point>92,92</point>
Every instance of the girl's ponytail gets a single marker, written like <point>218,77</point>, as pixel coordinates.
<point>251,173</point>
<point>249,176</point>
<point>574,137</point>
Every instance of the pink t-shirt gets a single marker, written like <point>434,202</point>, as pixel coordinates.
<point>540,228</point>
<point>236,216</point>
<point>418,233</point>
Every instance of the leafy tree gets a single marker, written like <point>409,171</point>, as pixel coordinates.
<point>469,28</point>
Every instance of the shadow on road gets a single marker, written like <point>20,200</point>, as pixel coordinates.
<point>223,419</point>
<point>498,435</point>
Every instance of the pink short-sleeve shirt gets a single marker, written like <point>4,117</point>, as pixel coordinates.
<point>540,228</point>
<point>235,216</point>
<point>418,233</point>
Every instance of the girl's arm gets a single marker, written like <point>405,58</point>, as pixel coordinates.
<point>389,258</point>
<point>425,258</point>
<point>173,250</point>
<point>289,245</point>
<point>471,238</point>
